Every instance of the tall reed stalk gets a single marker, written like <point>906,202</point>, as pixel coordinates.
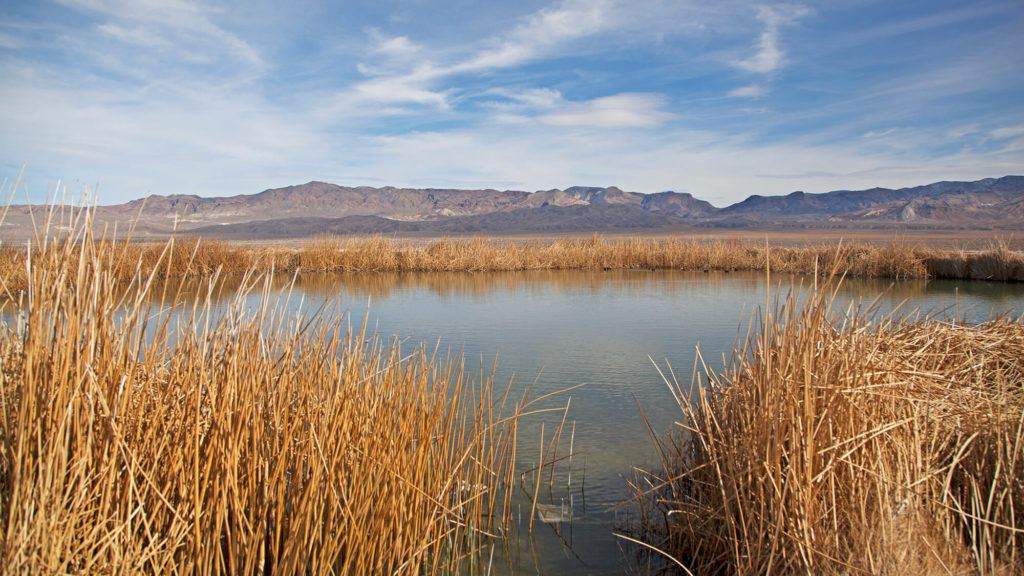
<point>192,438</point>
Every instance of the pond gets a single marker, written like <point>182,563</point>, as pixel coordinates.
<point>596,336</point>
<point>598,331</point>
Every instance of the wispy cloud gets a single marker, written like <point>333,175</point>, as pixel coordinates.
<point>397,90</point>
<point>708,164</point>
<point>417,83</point>
<point>539,33</point>
<point>191,96</point>
<point>769,55</point>
<point>618,111</point>
<point>184,24</point>
<point>928,22</point>
<point>875,134</point>
<point>1008,132</point>
<point>525,99</point>
<point>748,91</point>
<point>397,47</point>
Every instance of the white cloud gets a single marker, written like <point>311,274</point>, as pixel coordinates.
<point>749,91</point>
<point>536,36</point>
<point>393,46</point>
<point>708,164</point>
<point>190,141</point>
<point>958,132</point>
<point>526,99</point>
<point>617,111</point>
<point>1007,132</point>
<point>541,31</point>
<point>876,134</point>
<point>186,25</point>
<point>226,142</point>
<point>548,107</point>
<point>135,35</point>
<point>397,90</point>
<point>139,116</point>
<point>769,55</point>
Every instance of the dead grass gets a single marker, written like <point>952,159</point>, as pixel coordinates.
<point>192,438</point>
<point>190,257</point>
<point>836,445</point>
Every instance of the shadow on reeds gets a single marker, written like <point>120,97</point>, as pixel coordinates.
<point>1000,264</point>
<point>838,444</point>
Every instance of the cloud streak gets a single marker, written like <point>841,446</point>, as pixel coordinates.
<point>180,24</point>
<point>618,111</point>
<point>769,55</point>
<point>748,91</point>
<point>537,35</point>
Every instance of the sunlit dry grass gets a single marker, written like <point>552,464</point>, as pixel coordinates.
<point>191,257</point>
<point>836,445</point>
<point>197,439</point>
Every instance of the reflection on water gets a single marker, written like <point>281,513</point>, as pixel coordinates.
<point>465,285</point>
<point>599,330</point>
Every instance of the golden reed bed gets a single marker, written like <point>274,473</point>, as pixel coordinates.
<point>190,438</point>
<point>187,438</point>
<point>195,257</point>
<point>836,445</point>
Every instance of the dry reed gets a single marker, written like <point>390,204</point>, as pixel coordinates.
<point>191,257</point>
<point>191,438</point>
<point>837,445</point>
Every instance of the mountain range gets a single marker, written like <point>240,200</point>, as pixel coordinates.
<point>321,208</point>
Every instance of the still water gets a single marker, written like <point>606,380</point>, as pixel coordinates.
<point>599,331</point>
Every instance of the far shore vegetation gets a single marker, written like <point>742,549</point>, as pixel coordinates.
<point>196,257</point>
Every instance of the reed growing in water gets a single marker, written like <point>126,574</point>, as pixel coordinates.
<point>192,257</point>
<point>836,445</point>
<point>190,438</point>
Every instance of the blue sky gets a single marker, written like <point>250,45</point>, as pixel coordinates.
<point>722,99</point>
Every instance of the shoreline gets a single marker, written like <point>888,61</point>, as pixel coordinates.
<point>191,257</point>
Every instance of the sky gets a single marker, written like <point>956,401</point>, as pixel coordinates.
<point>721,99</point>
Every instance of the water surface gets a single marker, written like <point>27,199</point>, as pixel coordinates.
<point>600,330</point>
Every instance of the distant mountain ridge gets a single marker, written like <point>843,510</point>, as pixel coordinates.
<point>990,191</point>
<point>545,219</point>
<point>320,207</point>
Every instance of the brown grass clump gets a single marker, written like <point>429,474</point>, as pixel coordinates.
<point>191,438</point>
<point>1000,264</point>
<point>834,445</point>
<point>380,254</point>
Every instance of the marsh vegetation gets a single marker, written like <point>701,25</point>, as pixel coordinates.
<point>202,439</point>
<point>837,442</point>
<point>192,257</point>
<point>210,425</point>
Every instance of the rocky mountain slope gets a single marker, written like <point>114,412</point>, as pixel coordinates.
<point>544,219</point>
<point>319,208</point>
<point>938,202</point>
